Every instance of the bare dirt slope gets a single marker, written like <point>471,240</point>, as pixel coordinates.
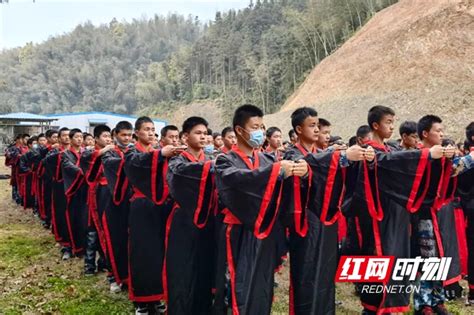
<point>416,56</point>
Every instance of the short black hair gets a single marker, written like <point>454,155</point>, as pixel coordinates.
<point>299,116</point>
<point>23,136</point>
<point>123,125</point>
<point>41,135</point>
<point>363,131</point>
<point>470,132</point>
<point>376,114</point>
<point>209,131</point>
<point>426,122</point>
<point>31,140</point>
<point>86,134</point>
<point>165,130</point>
<point>291,133</point>
<point>192,122</point>
<point>244,113</point>
<point>73,131</point>
<point>215,135</point>
<point>62,129</point>
<point>50,133</point>
<point>271,131</point>
<point>181,134</point>
<point>324,123</point>
<point>141,120</point>
<point>352,141</point>
<point>447,142</point>
<point>100,129</point>
<point>407,128</point>
<point>225,131</point>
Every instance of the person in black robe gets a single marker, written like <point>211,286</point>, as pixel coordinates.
<point>52,164</point>
<point>311,210</point>
<point>465,191</point>
<point>189,266</point>
<point>436,229</point>
<point>75,190</point>
<point>12,159</point>
<point>115,217</point>
<point>146,170</point>
<point>99,200</point>
<point>391,189</point>
<point>249,185</point>
<point>26,170</point>
<point>44,179</point>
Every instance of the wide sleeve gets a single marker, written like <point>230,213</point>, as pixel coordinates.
<point>327,186</point>
<point>191,184</point>
<point>72,175</point>
<point>251,196</point>
<point>295,198</point>
<point>116,180</point>
<point>146,172</point>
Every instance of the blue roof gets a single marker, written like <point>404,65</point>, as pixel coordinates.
<point>103,113</point>
<point>25,116</point>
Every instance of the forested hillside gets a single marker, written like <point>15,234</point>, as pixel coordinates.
<point>260,54</point>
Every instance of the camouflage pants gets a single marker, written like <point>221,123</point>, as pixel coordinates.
<point>431,292</point>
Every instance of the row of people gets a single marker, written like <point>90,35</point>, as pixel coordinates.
<point>202,221</point>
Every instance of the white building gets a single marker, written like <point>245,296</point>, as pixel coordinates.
<point>86,121</point>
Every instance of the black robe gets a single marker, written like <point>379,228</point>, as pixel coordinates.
<point>52,165</point>
<point>149,210</point>
<point>251,192</point>
<point>27,171</point>
<point>44,185</point>
<point>465,192</point>
<point>313,238</point>
<point>76,194</point>
<point>99,196</point>
<point>394,187</point>
<point>190,258</point>
<point>115,218</point>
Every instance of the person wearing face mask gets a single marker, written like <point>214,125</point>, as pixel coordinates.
<point>26,172</point>
<point>249,184</point>
<point>209,148</point>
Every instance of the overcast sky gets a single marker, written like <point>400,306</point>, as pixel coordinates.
<point>23,21</point>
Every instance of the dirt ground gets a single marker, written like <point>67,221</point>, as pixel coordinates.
<point>34,280</point>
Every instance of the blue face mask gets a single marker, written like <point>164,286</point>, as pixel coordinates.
<point>209,149</point>
<point>35,146</point>
<point>256,138</point>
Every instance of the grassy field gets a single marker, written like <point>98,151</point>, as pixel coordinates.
<point>34,280</point>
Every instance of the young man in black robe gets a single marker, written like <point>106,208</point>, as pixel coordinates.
<point>45,182</point>
<point>27,171</point>
<point>311,212</point>
<point>99,200</point>
<point>465,191</point>
<point>52,164</point>
<point>189,267</point>
<point>12,159</point>
<point>408,135</point>
<point>115,217</point>
<point>249,184</point>
<point>386,194</point>
<point>76,192</point>
<point>436,219</point>
<point>229,139</point>
<point>146,170</point>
